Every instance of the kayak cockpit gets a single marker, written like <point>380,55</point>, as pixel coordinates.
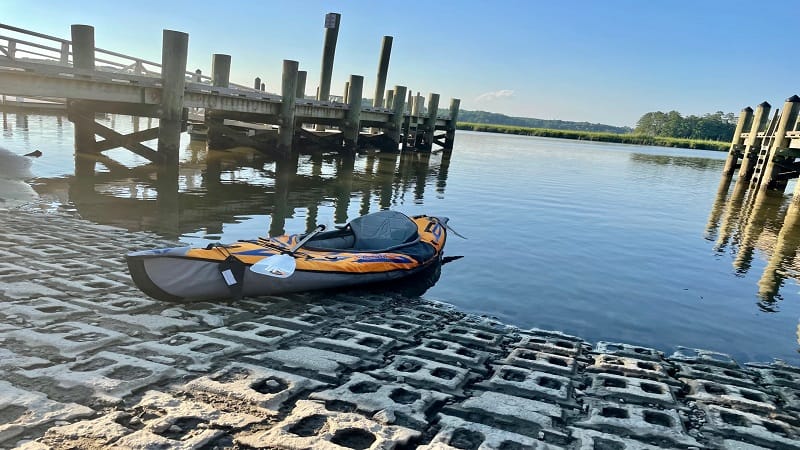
<point>379,232</point>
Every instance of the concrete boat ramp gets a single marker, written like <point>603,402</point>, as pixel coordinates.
<point>87,361</point>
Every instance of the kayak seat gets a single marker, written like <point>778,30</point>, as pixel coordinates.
<point>339,241</point>
<point>376,232</point>
<point>383,230</point>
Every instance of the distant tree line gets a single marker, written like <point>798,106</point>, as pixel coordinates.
<point>526,122</point>
<point>623,138</point>
<point>709,131</point>
<point>713,127</point>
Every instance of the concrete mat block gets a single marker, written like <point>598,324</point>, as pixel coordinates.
<point>586,439</point>
<point>249,386</point>
<point>456,433</point>
<point>627,350</point>
<point>190,351</point>
<point>624,366</point>
<point>636,390</point>
<point>254,332</point>
<point>21,410</point>
<point>662,427</point>
<point>393,402</point>
<point>397,329</point>
<point>423,373</point>
<point>450,352</point>
<point>551,342</point>
<point>530,384</point>
<point>542,361</point>
<point>725,375</point>
<point>112,376</point>
<point>751,428</point>
<point>324,364</point>
<point>740,398</point>
<point>355,342</point>
<point>311,425</point>
<point>69,338</point>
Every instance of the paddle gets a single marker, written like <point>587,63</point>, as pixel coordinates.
<point>446,225</point>
<point>283,265</point>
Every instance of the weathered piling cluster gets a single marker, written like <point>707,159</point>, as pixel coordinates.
<point>166,91</point>
<point>764,150</point>
<point>87,361</point>
<point>763,154</point>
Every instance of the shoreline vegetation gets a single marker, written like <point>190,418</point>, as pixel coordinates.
<point>626,138</point>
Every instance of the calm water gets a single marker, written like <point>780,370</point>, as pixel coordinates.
<point>609,242</point>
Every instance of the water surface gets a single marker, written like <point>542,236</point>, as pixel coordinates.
<point>605,241</point>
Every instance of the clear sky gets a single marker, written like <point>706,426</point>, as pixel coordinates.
<point>607,61</point>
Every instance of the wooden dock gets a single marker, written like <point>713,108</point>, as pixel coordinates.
<point>765,150</point>
<point>92,80</point>
<point>764,156</point>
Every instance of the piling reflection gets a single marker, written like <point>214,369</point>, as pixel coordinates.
<point>212,189</point>
<point>745,222</point>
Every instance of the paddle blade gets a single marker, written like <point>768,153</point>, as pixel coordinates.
<point>278,266</point>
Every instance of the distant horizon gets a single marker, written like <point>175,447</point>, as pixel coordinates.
<point>606,63</point>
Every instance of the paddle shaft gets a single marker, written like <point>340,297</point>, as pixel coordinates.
<point>308,237</point>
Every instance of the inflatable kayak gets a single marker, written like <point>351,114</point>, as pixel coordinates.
<point>377,247</point>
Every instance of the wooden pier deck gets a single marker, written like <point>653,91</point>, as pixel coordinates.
<point>93,80</point>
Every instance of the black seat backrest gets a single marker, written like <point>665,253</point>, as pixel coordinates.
<point>383,230</point>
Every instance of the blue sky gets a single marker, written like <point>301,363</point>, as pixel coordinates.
<point>599,61</point>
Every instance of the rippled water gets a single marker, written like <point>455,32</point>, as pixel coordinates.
<point>609,242</point>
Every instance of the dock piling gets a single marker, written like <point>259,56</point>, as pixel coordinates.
<point>352,124</point>
<point>82,58</point>
<point>769,179</point>
<point>221,70</point>
<point>332,21</point>
<point>288,92</point>
<point>737,150</point>
<point>395,128</point>
<point>389,98</point>
<point>383,70</point>
<point>82,46</point>
<point>169,95</point>
<point>301,84</point>
<point>430,124</point>
<point>450,132</point>
<point>753,141</point>
<point>173,81</point>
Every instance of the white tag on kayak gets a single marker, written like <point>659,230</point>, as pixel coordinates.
<point>229,278</point>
